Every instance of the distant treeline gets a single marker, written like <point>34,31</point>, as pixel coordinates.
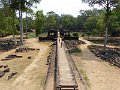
<point>90,21</point>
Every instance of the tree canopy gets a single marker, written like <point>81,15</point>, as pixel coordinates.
<point>90,21</point>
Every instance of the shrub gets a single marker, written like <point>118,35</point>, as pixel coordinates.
<point>75,34</point>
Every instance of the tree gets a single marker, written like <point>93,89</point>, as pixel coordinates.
<point>3,28</point>
<point>39,21</point>
<point>27,22</point>
<point>100,25</point>
<point>29,4</point>
<point>51,18</point>
<point>90,23</point>
<point>8,12</point>
<point>108,5</point>
<point>6,22</point>
<point>80,22</point>
<point>15,5</point>
<point>21,6</point>
<point>68,22</point>
<point>115,25</point>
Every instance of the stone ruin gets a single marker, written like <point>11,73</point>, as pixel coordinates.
<point>53,34</point>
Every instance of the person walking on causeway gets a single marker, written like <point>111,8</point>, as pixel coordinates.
<point>61,44</point>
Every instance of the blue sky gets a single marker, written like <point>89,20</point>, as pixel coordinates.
<point>62,6</point>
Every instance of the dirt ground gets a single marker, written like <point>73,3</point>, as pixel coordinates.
<point>98,74</point>
<point>31,73</point>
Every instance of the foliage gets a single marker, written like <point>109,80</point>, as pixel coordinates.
<point>75,34</point>
<point>108,5</point>
<point>8,10</point>
<point>68,22</point>
<point>92,22</point>
<point>31,35</point>
<point>75,51</point>
<point>6,24</point>
<point>51,20</point>
<point>30,23</point>
<point>39,22</point>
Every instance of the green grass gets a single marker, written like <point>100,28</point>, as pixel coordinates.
<point>42,83</point>
<point>82,72</point>
<point>44,34</point>
<point>75,52</point>
<point>85,77</point>
<point>79,33</point>
<point>31,35</point>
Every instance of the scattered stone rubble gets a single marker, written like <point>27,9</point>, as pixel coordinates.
<point>22,49</point>
<point>111,55</point>
<point>72,44</point>
<point>5,69</point>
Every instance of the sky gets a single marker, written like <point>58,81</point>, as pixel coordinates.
<point>62,6</point>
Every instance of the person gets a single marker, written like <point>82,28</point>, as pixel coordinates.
<point>61,44</point>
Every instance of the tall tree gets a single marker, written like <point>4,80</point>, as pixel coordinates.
<point>14,6</point>
<point>29,4</point>
<point>21,6</point>
<point>8,12</point>
<point>39,21</point>
<point>108,5</point>
<point>68,22</point>
<point>51,20</point>
<point>100,25</point>
<point>90,23</point>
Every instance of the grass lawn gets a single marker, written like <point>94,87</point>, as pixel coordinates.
<point>76,52</point>
<point>33,35</point>
<point>79,33</point>
<point>44,34</point>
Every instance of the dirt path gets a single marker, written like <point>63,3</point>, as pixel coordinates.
<point>32,77</point>
<point>31,74</point>
<point>99,75</point>
<point>90,43</point>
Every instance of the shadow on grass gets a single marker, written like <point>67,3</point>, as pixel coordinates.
<point>76,52</point>
<point>31,35</point>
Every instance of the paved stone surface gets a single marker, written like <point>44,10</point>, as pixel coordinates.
<point>65,74</point>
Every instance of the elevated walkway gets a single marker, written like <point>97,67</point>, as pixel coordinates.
<point>65,77</point>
